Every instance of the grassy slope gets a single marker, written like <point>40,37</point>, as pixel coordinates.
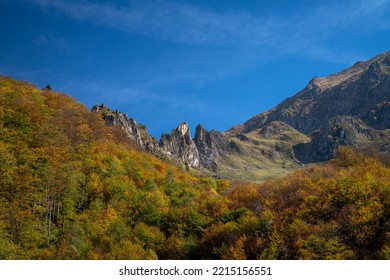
<point>262,154</point>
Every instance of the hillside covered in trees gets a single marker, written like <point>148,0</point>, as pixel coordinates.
<point>73,188</point>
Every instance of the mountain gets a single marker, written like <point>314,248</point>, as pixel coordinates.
<point>248,156</point>
<point>350,108</point>
<point>353,92</point>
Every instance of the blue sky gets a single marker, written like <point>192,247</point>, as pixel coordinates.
<point>217,63</point>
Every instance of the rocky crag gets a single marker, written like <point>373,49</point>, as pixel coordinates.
<point>178,145</point>
<point>351,108</point>
<point>211,145</point>
<point>136,132</point>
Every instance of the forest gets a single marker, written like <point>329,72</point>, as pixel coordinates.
<point>73,188</point>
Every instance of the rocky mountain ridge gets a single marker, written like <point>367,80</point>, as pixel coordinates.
<point>350,108</point>
<point>354,92</point>
<point>178,145</point>
<point>133,130</point>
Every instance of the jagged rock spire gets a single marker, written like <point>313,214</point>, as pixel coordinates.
<point>210,145</point>
<point>179,144</point>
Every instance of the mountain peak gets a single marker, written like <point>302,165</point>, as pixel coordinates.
<point>349,92</point>
<point>355,72</point>
<point>180,145</point>
<point>184,129</point>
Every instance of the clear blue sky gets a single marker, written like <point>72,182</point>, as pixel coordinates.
<point>217,63</point>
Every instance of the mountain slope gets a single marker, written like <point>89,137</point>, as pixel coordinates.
<point>264,153</point>
<point>352,92</point>
<point>350,108</point>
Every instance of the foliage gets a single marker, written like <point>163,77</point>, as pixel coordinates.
<point>73,188</point>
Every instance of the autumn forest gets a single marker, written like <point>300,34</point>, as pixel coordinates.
<point>73,188</point>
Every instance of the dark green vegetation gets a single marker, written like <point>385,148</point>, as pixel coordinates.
<point>73,188</point>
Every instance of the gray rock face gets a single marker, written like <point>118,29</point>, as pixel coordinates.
<point>385,148</point>
<point>379,116</point>
<point>180,145</point>
<point>210,145</point>
<point>340,131</point>
<point>134,131</point>
<point>177,145</point>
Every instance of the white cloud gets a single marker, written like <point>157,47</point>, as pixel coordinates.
<point>172,21</point>
<point>305,31</point>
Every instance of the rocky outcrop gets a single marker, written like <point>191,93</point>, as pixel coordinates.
<point>340,131</point>
<point>385,148</point>
<point>134,131</point>
<point>210,146</point>
<point>180,145</point>
<point>379,116</point>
